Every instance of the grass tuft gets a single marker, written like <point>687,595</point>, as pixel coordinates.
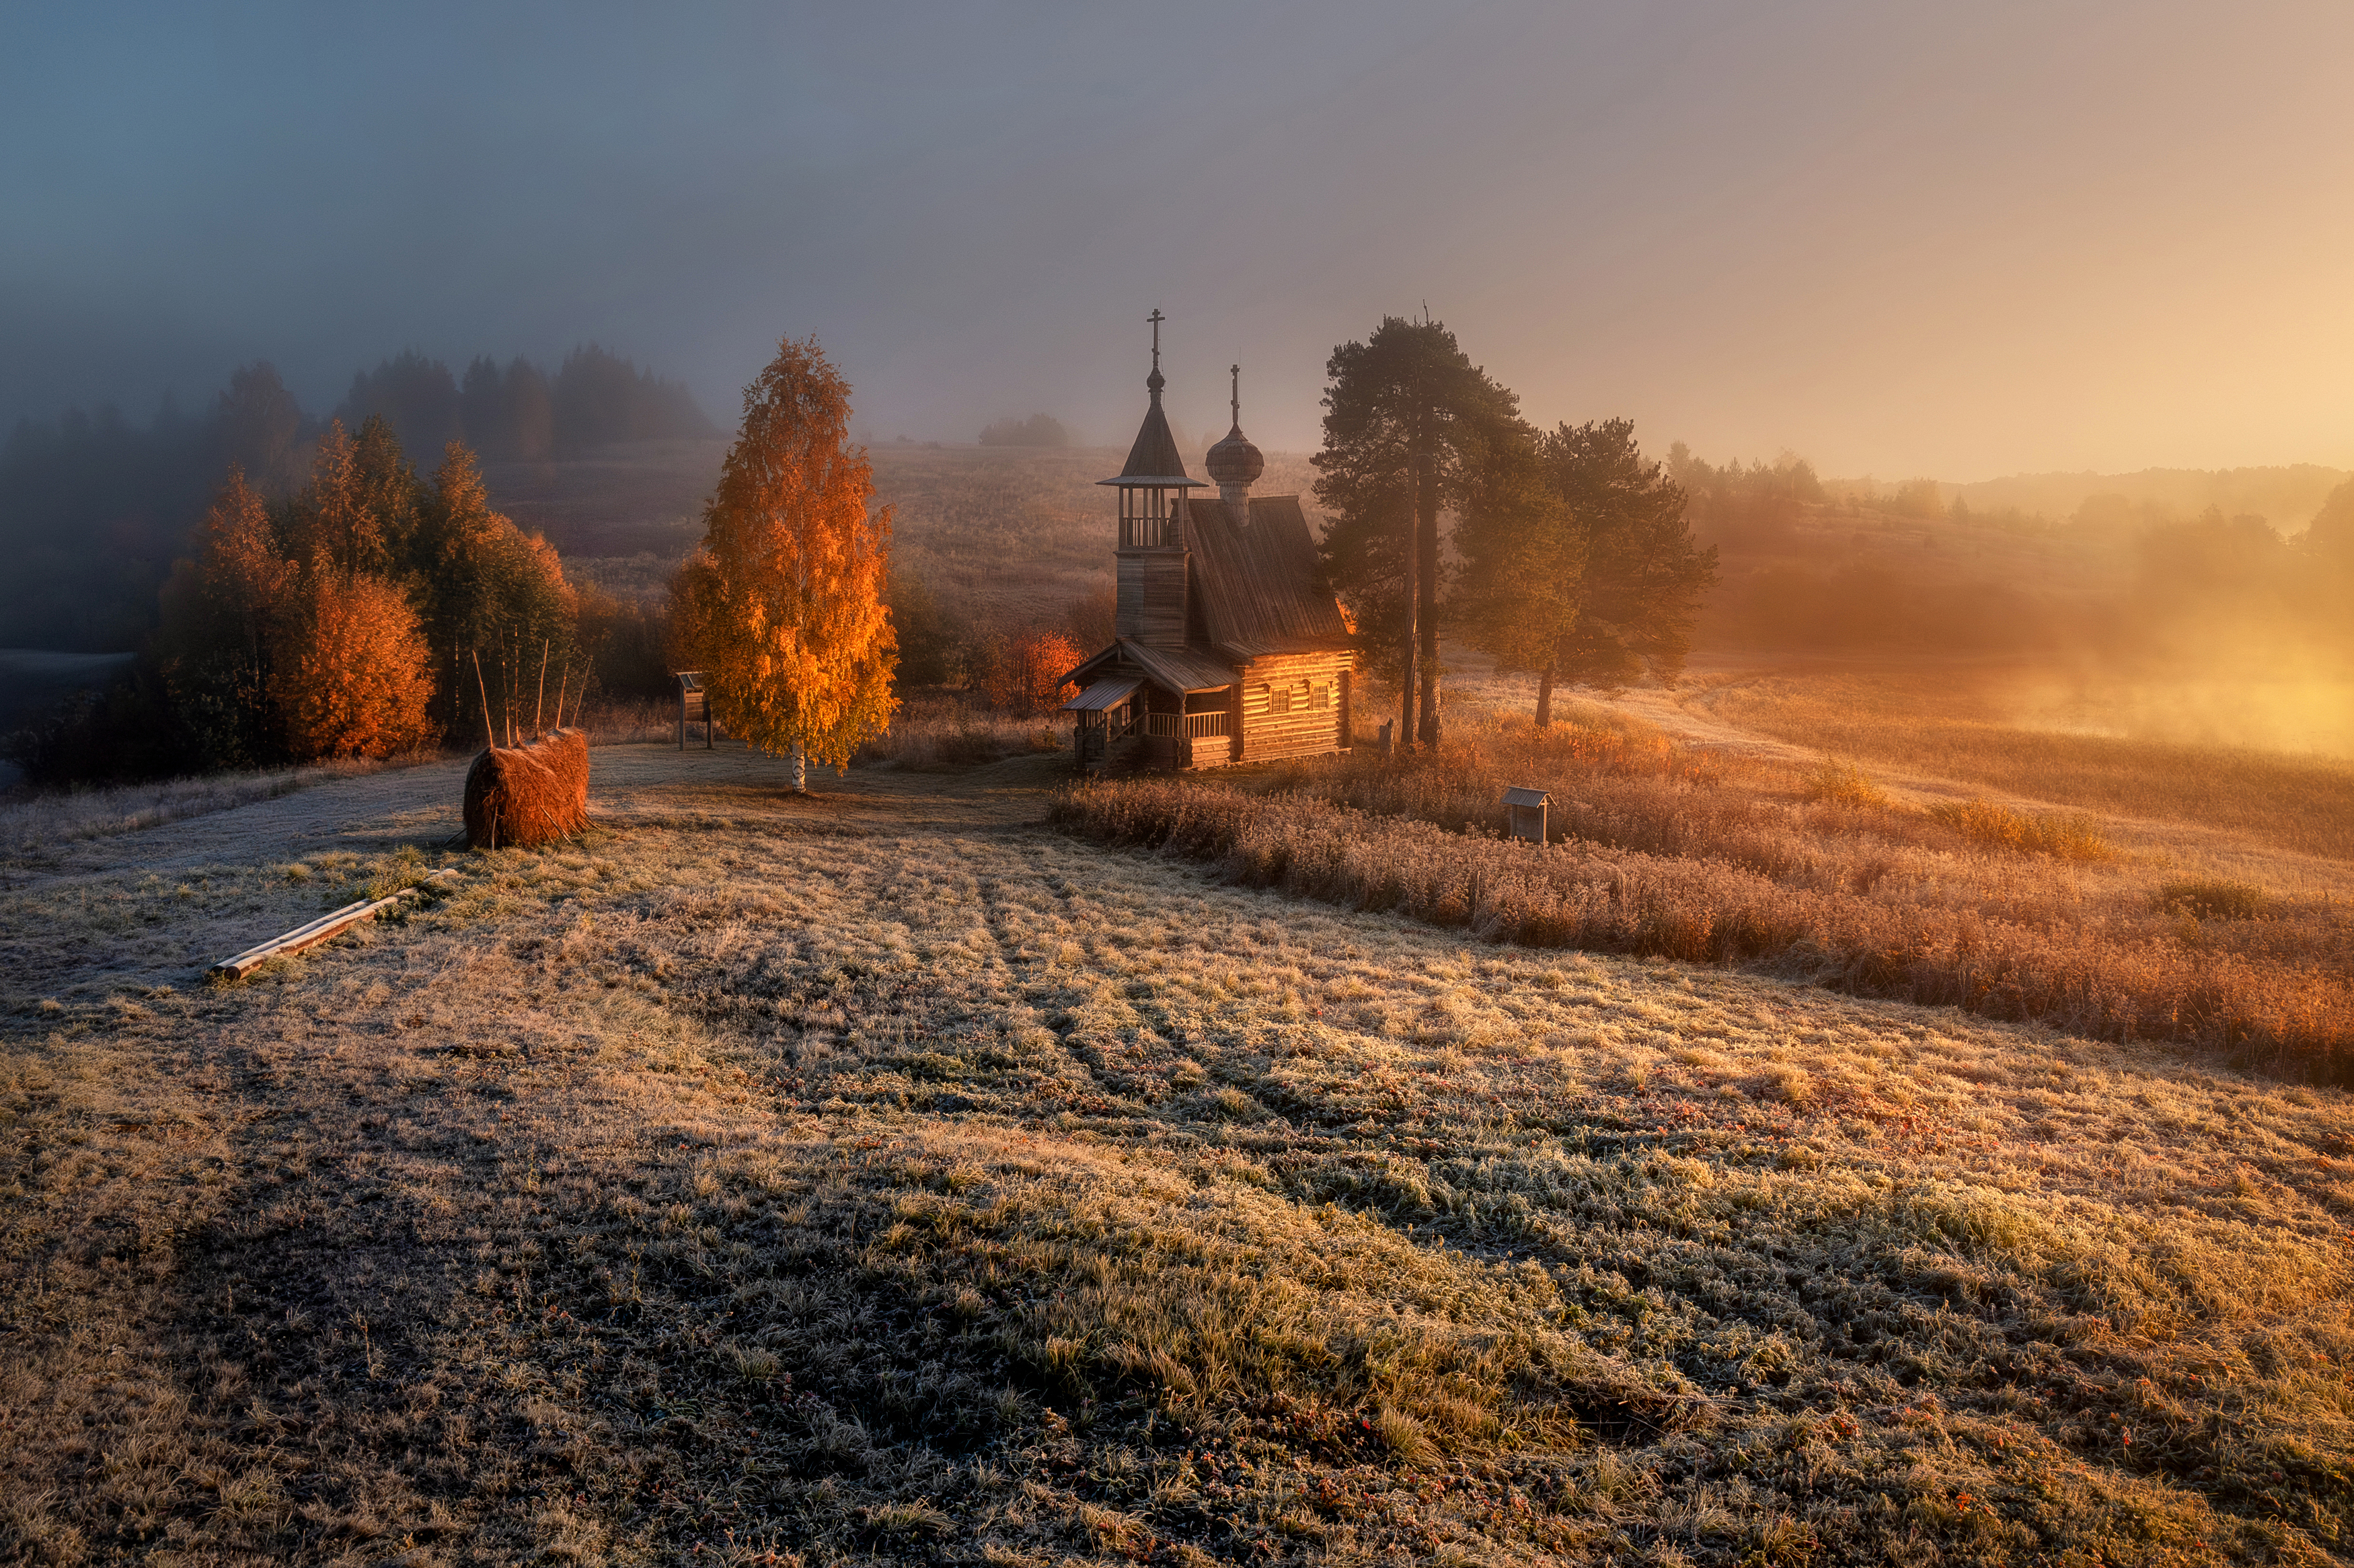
<point>2212,899</point>
<point>2070,837</point>
<point>1845,784</point>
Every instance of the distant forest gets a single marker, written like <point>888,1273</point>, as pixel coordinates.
<point>94,509</point>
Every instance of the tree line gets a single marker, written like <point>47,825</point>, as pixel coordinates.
<point>1571,556</point>
<point>519,413</point>
<point>95,508</point>
<point>373,612</point>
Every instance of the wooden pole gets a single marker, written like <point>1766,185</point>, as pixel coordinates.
<point>539,703</point>
<point>562,680</point>
<point>317,931</point>
<point>489,736</point>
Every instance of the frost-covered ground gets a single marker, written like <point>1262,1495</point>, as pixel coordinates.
<point>884,1177</point>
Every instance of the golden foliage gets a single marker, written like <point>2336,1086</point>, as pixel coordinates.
<point>782,602</point>
<point>242,573</point>
<point>1023,673</point>
<point>359,677</point>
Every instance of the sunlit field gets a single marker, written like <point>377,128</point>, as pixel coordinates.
<point>2004,729</point>
<point>891,1177</point>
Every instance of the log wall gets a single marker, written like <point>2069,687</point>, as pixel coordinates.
<point>1304,729</point>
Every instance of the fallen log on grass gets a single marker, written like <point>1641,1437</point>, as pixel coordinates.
<point>317,931</point>
<point>528,794</point>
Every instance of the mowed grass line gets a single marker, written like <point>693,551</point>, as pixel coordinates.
<point>2305,804</point>
<point>781,1187</point>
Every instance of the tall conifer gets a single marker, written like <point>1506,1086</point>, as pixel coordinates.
<point>1410,426</point>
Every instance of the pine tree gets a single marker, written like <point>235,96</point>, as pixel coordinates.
<point>1579,563</point>
<point>782,605</point>
<point>1410,425</point>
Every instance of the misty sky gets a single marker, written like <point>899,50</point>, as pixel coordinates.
<point>1962,241</point>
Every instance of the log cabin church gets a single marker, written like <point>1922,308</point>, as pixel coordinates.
<point>1230,647</point>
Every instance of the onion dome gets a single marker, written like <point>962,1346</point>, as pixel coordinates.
<point>1234,460</point>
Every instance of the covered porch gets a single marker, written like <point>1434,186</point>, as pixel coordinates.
<point>1132,715</point>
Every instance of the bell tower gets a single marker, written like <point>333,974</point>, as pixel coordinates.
<point>1153,563</point>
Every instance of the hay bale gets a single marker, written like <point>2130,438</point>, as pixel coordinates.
<point>528,794</point>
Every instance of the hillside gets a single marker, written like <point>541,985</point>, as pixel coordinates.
<point>1006,532</point>
<point>2286,495</point>
<point>881,1176</point>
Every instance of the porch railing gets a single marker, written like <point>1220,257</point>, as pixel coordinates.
<point>1187,726</point>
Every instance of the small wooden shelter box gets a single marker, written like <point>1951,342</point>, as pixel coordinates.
<point>1526,810</point>
<point>694,707</point>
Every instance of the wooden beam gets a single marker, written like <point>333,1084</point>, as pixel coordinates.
<point>317,931</point>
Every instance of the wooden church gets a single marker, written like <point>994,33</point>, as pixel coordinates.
<point>1230,647</point>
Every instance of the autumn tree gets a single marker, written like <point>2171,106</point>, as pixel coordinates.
<point>359,676</point>
<point>1578,562</point>
<point>783,604</point>
<point>224,628</point>
<point>315,628</point>
<point>1022,672</point>
<point>486,589</point>
<point>360,507</point>
<point>1410,426</point>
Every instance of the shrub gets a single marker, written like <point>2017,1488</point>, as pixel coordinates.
<point>2071,837</point>
<point>2212,900</point>
<point>1023,673</point>
<point>1662,854</point>
<point>1845,784</point>
<point>2106,984</point>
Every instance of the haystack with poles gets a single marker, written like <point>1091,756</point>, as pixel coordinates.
<point>529,794</point>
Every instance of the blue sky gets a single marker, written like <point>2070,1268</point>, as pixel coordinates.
<point>1904,240</point>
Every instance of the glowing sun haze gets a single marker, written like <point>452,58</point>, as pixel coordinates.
<point>1900,238</point>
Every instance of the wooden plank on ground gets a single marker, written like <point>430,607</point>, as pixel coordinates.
<point>318,930</point>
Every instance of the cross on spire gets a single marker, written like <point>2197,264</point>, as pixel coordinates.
<point>1156,318</point>
<point>1235,403</point>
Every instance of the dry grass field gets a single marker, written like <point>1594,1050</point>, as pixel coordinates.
<point>887,1177</point>
<point>2105,925</point>
<point>1975,725</point>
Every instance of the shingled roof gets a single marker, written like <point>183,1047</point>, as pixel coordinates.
<point>1178,669</point>
<point>1153,459</point>
<point>1262,588</point>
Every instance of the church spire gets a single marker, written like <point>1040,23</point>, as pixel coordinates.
<point>1150,515</point>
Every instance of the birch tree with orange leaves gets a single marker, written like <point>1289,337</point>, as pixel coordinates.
<point>783,604</point>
